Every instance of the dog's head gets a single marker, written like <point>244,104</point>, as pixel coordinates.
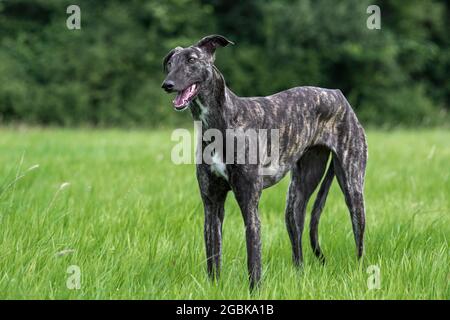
<point>189,69</point>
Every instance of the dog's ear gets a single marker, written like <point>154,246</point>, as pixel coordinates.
<point>209,44</point>
<point>169,55</point>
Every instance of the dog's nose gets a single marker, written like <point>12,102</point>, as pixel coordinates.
<point>168,85</point>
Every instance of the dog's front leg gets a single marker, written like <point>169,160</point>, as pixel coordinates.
<point>248,193</point>
<point>214,191</point>
<point>253,237</point>
<point>214,213</point>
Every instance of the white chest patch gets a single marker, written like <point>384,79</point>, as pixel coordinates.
<point>203,112</point>
<point>218,167</point>
<point>272,170</point>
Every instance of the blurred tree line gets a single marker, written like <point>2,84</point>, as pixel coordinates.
<point>109,72</point>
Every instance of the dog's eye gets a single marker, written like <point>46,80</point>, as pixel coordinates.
<point>191,60</point>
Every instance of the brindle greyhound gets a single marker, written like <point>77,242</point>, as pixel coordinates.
<point>313,123</point>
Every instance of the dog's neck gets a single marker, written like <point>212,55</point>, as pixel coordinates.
<point>209,106</point>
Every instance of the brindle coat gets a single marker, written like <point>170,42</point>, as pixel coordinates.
<point>313,123</point>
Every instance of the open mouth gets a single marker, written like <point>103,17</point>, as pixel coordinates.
<point>185,96</point>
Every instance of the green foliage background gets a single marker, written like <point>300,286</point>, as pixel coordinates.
<point>109,72</point>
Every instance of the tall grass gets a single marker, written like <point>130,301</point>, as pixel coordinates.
<point>113,203</point>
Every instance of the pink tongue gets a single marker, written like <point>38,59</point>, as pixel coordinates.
<point>183,97</point>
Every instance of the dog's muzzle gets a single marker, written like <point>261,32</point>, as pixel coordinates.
<point>168,85</point>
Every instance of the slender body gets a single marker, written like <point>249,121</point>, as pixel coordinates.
<point>313,124</point>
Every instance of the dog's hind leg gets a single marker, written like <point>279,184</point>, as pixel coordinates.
<point>305,178</point>
<point>350,170</point>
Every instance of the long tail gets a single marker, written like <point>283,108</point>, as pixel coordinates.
<point>317,210</point>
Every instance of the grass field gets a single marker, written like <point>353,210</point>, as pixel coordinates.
<point>112,203</point>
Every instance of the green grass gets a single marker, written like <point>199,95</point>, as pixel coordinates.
<point>135,222</point>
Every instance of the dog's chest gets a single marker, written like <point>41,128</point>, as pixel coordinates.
<point>201,112</point>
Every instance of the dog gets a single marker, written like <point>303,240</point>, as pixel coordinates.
<point>314,124</point>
